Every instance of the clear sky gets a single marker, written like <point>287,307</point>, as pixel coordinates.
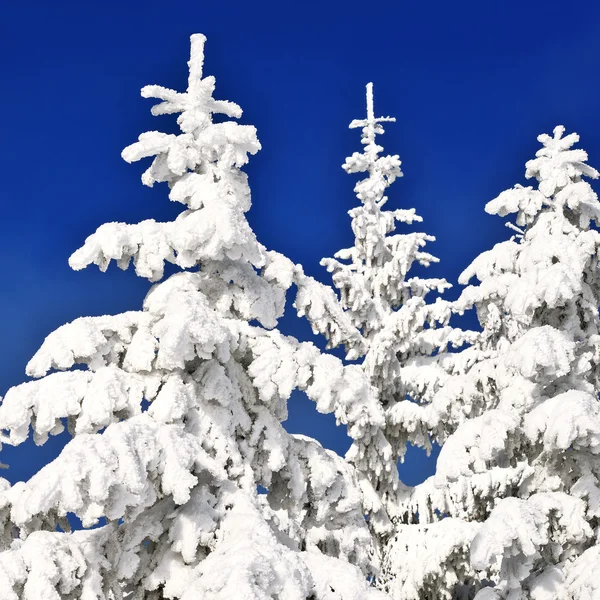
<point>471,84</point>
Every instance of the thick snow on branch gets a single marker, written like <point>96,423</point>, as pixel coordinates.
<point>316,477</point>
<point>115,475</point>
<point>93,400</point>
<point>521,535</point>
<point>319,305</point>
<point>208,234</point>
<point>429,561</point>
<point>56,566</point>
<point>249,561</point>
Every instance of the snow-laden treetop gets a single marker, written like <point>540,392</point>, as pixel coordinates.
<point>557,167</point>
<point>370,128</point>
<point>201,166</point>
<point>372,283</point>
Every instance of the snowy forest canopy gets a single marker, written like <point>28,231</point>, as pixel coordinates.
<point>176,411</point>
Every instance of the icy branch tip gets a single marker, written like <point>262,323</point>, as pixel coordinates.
<point>371,121</point>
<point>558,131</point>
<point>370,112</point>
<point>196,61</point>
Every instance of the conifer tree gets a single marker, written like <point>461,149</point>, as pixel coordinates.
<point>173,489</point>
<point>518,474</point>
<point>538,305</point>
<point>404,339</point>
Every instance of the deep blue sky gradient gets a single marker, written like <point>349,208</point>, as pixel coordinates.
<point>471,83</point>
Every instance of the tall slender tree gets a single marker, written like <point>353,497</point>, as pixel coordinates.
<point>404,339</point>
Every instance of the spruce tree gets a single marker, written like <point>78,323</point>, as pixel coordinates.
<point>175,411</point>
<point>538,304</point>
<point>517,477</point>
<point>404,339</point>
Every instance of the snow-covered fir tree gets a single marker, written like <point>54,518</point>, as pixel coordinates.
<point>175,410</point>
<point>538,305</point>
<point>405,343</point>
<point>518,475</point>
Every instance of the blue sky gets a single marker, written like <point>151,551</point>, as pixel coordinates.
<point>471,84</point>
